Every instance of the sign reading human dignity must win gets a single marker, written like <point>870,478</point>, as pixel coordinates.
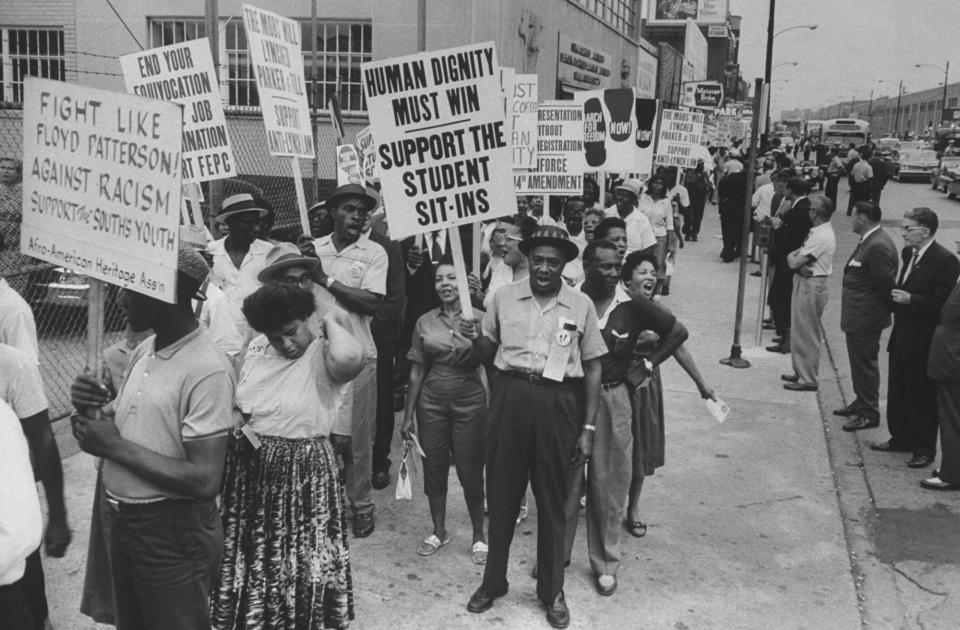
<point>101,184</point>
<point>443,149</point>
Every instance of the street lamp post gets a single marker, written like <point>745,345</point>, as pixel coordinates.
<point>946,76</point>
<point>896,121</point>
<point>768,66</point>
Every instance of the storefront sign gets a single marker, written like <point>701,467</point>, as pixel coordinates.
<point>581,67</point>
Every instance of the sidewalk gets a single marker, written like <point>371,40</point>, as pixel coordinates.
<point>744,524</point>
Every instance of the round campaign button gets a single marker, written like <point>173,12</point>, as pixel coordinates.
<point>563,338</point>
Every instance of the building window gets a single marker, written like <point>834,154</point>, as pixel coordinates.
<point>619,14</point>
<point>341,48</point>
<point>29,52</point>
<point>952,101</point>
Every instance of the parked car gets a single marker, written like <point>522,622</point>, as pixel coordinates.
<point>946,176</point>
<point>914,165</point>
<point>59,299</point>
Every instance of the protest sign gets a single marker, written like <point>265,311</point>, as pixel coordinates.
<point>274,43</point>
<point>560,164</point>
<point>442,146</point>
<point>618,129</point>
<point>679,134</point>
<point>183,73</point>
<point>367,150</point>
<point>523,115</point>
<point>101,184</point>
<point>348,165</point>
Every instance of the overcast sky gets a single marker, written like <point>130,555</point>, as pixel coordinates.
<point>856,43</point>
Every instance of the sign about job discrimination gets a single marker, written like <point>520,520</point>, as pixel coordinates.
<point>443,149</point>
<point>184,73</point>
<point>101,184</point>
<point>275,50</point>
<point>559,165</point>
<point>680,134</point>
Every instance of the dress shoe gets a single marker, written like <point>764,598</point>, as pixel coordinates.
<point>858,424</point>
<point>920,461</point>
<point>846,412</point>
<point>558,615</point>
<point>790,378</point>
<point>888,447</point>
<point>800,387</point>
<point>755,274</point>
<point>606,585</point>
<point>482,599</point>
<point>381,479</point>
<point>363,525</point>
<point>936,483</point>
<point>781,348</point>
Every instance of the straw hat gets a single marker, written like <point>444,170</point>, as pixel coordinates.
<point>282,256</point>
<point>554,236</point>
<point>238,204</point>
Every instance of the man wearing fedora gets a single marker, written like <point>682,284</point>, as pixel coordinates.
<point>239,256</point>
<point>353,269</point>
<point>545,343</point>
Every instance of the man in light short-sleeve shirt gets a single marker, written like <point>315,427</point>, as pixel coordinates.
<point>163,442</point>
<point>545,343</point>
<point>813,264</point>
<point>354,269</point>
<point>17,325</point>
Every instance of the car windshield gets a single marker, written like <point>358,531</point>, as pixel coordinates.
<point>917,156</point>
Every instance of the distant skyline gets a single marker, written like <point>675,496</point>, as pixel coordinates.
<point>856,44</point>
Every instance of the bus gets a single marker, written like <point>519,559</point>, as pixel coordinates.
<point>845,131</point>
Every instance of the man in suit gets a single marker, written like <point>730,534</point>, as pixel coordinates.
<point>790,229</point>
<point>868,278</point>
<point>927,277</point>
<point>944,368</point>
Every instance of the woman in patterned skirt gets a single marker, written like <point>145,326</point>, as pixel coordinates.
<point>639,275</point>
<point>286,560</point>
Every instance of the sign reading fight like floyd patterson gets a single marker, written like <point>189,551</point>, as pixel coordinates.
<point>275,50</point>
<point>101,184</point>
<point>442,147</point>
<point>184,73</point>
<point>679,135</point>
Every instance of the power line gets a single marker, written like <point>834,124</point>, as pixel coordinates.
<point>112,8</point>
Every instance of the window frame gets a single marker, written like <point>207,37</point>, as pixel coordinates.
<point>50,64</point>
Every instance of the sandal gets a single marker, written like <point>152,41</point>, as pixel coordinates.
<point>637,529</point>
<point>478,553</point>
<point>431,545</point>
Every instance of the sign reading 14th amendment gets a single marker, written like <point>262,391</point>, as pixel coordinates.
<point>184,73</point>
<point>101,184</point>
<point>442,146</point>
<point>275,50</point>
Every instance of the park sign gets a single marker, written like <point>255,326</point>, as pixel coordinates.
<point>101,184</point>
<point>618,130</point>
<point>275,50</point>
<point>706,95</point>
<point>442,146</point>
<point>679,136</point>
<point>559,165</point>
<point>184,73</point>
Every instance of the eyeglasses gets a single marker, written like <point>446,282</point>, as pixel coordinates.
<point>304,281</point>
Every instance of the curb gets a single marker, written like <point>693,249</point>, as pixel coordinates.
<point>878,597</point>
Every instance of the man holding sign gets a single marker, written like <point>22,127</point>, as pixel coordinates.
<point>163,440</point>
<point>545,343</point>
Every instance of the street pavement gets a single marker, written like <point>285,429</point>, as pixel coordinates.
<point>773,519</point>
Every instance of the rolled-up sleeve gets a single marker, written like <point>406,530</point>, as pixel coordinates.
<point>592,345</point>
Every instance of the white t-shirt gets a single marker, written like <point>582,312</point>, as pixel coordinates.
<point>821,243</point>
<point>290,398</point>
<point>21,526</point>
<point>20,384</point>
<point>17,326</point>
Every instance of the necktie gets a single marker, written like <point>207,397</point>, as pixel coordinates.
<point>910,267</point>
<point>436,252</point>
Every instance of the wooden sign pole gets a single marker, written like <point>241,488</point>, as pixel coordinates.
<point>301,197</point>
<point>463,288</point>
<point>95,296</point>
<point>475,253</point>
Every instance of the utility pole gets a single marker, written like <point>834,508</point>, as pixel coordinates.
<point>767,72</point>
<point>946,75</point>
<point>896,123</point>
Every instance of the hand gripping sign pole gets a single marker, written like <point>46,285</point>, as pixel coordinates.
<point>735,359</point>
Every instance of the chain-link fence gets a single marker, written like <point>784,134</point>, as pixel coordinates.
<point>58,295</point>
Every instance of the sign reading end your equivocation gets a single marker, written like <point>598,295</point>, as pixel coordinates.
<point>183,73</point>
<point>442,146</point>
<point>101,184</point>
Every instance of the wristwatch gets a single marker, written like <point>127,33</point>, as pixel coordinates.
<point>647,364</point>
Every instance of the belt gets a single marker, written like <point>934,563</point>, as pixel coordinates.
<point>610,385</point>
<point>121,506</point>
<point>539,380</point>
